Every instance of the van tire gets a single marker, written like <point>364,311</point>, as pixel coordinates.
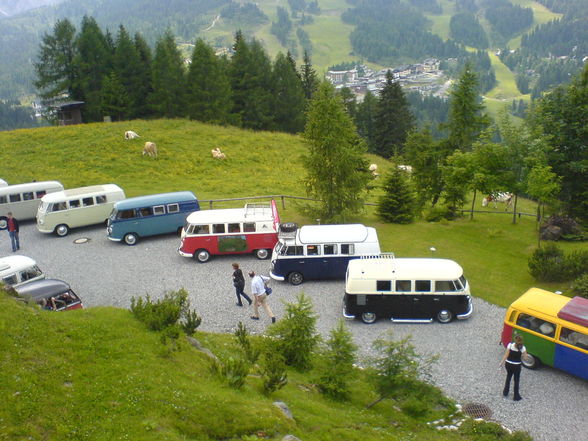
<point>368,318</point>
<point>444,316</point>
<point>262,253</point>
<point>179,232</point>
<point>202,256</point>
<point>3,222</point>
<point>62,230</point>
<point>532,363</point>
<point>295,278</point>
<point>131,239</point>
<point>288,227</point>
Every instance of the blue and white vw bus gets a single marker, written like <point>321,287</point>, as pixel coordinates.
<point>320,251</point>
<point>145,216</point>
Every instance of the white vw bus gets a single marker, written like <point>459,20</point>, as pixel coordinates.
<point>22,200</point>
<point>18,270</point>
<point>77,207</point>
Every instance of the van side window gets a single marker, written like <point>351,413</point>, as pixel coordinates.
<point>9,280</point>
<point>403,285</point>
<point>160,209</point>
<point>422,285</point>
<point>58,206</point>
<point>41,193</point>
<point>249,227</point>
<point>173,208</point>
<point>329,249</point>
<point>3,200</point>
<point>15,198</point>
<point>28,196</point>
<point>574,338</point>
<point>536,324</point>
<point>347,248</point>
<point>295,251</point>
<point>312,250</point>
<point>201,229</point>
<point>218,228</point>
<point>383,285</point>
<point>444,286</point>
<point>74,203</point>
<point>126,214</point>
<point>30,273</point>
<point>463,281</point>
<point>234,228</point>
<point>101,199</point>
<point>88,202</point>
<point>146,211</point>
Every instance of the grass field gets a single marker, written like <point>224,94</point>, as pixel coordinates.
<point>492,249</point>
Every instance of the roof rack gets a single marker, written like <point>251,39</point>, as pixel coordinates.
<point>378,256</point>
<point>256,208</point>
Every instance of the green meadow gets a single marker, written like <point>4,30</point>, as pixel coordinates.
<point>492,249</point>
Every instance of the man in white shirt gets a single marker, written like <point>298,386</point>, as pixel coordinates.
<point>260,297</point>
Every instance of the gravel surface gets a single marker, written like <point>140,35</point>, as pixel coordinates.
<point>105,273</point>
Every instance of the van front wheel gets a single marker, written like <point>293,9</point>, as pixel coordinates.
<point>62,230</point>
<point>262,254</point>
<point>530,361</point>
<point>295,278</point>
<point>131,239</point>
<point>202,256</point>
<point>444,316</point>
<point>368,318</point>
<point>3,223</point>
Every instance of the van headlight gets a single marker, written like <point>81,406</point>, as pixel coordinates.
<point>40,221</point>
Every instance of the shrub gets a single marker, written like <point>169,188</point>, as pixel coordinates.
<point>415,407</point>
<point>273,372</point>
<point>337,367</point>
<point>191,321</point>
<point>399,201</point>
<point>232,371</point>
<point>548,264</point>
<point>577,264</point>
<point>242,336</point>
<point>580,286</point>
<point>295,335</point>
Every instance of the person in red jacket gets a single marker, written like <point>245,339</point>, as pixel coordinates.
<point>13,232</point>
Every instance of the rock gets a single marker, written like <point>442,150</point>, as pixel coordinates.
<point>201,348</point>
<point>290,438</point>
<point>551,232</point>
<point>284,408</point>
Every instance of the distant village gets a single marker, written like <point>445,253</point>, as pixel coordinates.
<point>425,77</point>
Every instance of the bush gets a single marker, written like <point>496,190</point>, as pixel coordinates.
<point>191,321</point>
<point>577,264</point>
<point>415,408</point>
<point>273,372</point>
<point>242,336</point>
<point>548,264</point>
<point>295,335</point>
<point>399,201</point>
<point>232,371</point>
<point>580,286</point>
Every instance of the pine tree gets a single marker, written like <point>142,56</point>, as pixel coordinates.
<point>365,120</point>
<point>309,78</point>
<point>208,86</point>
<point>393,119</point>
<point>167,98</point>
<point>127,66</point>
<point>93,62</point>
<point>115,100</point>
<point>466,118</point>
<point>397,205</point>
<point>144,84</point>
<point>288,96</point>
<point>349,101</point>
<point>337,172</point>
<point>55,69</point>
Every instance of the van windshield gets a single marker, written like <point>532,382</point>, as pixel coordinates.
<point>43,207</point>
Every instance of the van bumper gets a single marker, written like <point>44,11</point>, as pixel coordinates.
<point>468,313</point>
<point>347,316</point>
<point>114,239</point>
<point>183,254</point>
<point>43,230</point>
<point>276,277</point>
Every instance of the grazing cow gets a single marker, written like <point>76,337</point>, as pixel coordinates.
<point>150,149</point>
<point>216,153</point>
<point>129,134</point>
<point>374,169</point>
<point>502,197</point>
<point>406,168</point>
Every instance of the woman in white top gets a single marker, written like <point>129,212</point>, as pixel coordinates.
<point>260,297</point>
<point>512,362</point>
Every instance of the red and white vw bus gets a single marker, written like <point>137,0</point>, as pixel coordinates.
<point>252,229</point>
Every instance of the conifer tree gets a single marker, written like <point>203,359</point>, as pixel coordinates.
<point>309,78</point>
<point>466,117</point>
<point>167,98</point>
<point>365,120</point>
<point>208,86</point>
<point>55,68</point>
<point>115,99</point>
<point>349,101</point>
<point>144,84</point>
<point>288,96</point>
<point>93,62</point>
<point>393,119</point>
<point>127,66</point>
<point>397,205</point>
<point>337,172</point>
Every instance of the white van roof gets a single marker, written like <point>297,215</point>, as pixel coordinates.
<point>404,269</point>
<point>80,191</point>
<point>10,264</point>
<point>30,186</point>
<point>3,183</point>
<point>313,234</point>
<point>254,213</point>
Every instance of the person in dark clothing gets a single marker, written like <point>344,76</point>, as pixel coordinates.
<point>512,362</point>
<point>13,232</point>
<point>239,284</point>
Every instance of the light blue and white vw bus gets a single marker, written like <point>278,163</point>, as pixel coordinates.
<point>145,216</point>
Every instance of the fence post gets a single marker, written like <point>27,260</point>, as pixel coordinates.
<point>283,202</point>
<point>210,202</point>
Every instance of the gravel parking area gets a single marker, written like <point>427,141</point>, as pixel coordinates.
<point>105,273</point>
